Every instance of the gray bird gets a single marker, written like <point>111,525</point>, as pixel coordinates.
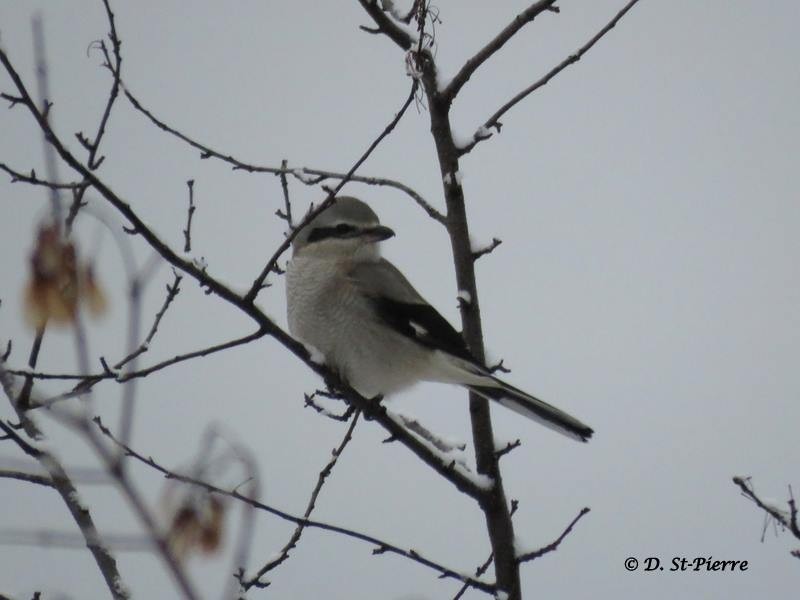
<point>374,329</point>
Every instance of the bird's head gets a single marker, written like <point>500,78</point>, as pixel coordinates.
<point>346,229</point>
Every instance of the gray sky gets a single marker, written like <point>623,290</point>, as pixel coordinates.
<point>647,200</point>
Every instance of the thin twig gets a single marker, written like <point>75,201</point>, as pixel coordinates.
<point>485,564</point>
<point>345,416</point>
<point>466,71</point>
<point>29,477</point>
<point>494,120</point>
<point>87,381</point>
<point>172,291</point>
<point>110,460</point>
<point>224,292</point>
<point>32,179</point>
<point>486,249</point>
<point>43,84</point>
<point>273,261</point>
<point>286,215</point>
<point>80,514</point>
<point>187,233</point>
<point>387,26</point>
<point>72,541</point>
<point>426,434</point>
<point>508,448</point>
<point>787,519</point>
<point>552,546</point>
<point>307,176</point>
<point>283,554</point>
<point>380,546</point>
<point>22,401</point>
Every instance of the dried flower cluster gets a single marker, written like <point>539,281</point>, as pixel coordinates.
<point>59,284</point>
<point>197,524</point>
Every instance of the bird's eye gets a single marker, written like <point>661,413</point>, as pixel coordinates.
<point>343,228</point>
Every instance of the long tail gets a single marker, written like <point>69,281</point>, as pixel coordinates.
<point>533,408</point>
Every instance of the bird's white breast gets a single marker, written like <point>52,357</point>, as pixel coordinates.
<point>327,311</point>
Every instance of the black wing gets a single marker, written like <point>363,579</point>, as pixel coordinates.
<point>402,308</point>
<point>423,324</point>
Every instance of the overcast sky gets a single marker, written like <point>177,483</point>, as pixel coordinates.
<point>647,199</point>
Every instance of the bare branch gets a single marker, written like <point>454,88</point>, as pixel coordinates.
<point>522,19</point>
<point>115,67</point>
<point>87,381</point>
<point>43,84</point>
<point>22,402</point>
<point>487,249</point>
<point>508,448</point>
<point>29,477</point>
<point>306,175</point>
<point>273,261</point>
<point>286,215</point>
<point>386,24</point>
<point>442,445</point>
<point>80,514</point>
<point>494,120</point>
<point>32,179</point>
<point>381,546</point>
<point>72,541</point>
<point>345,416</point>
<point>283,554</point>
<point>787,519</point>
<point>215,286</point>
<point>529,556</point>
<point>172,291</point>
<point>187,233</point>
<point>499,366</point>
<point>485,565</point>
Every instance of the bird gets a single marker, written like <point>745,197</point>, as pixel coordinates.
<point>366,322</point>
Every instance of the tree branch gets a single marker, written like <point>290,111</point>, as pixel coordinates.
<point>529,556</point>
<point>494,121</point>
<point>387,25</point>
<point>522,19</point>
<point>283,554</point>
<point>80,514</point>
<point>307,176</point>
<point>273,261</point>
<point>787,519</point>
<point>380,545</point>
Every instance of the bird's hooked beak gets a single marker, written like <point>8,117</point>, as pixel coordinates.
<point>378,233</point>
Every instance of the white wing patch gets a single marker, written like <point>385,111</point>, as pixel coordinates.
<point>419,330</point>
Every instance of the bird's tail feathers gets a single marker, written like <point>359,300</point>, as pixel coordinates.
<point>533,408</point>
